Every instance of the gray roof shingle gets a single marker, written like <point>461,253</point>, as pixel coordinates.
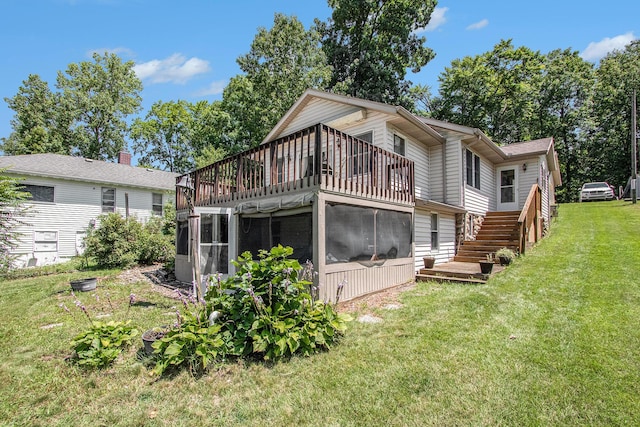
<point>81,169</point>
<point>537,146</point>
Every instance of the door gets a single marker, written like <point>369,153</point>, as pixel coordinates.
<point>216,240</point>
<point>507,189</point>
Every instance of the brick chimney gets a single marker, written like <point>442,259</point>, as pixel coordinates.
<point>124,158</point>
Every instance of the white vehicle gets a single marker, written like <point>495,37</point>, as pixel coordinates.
<point>596,191</point>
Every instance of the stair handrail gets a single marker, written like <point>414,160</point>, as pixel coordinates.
<point>530,216</point>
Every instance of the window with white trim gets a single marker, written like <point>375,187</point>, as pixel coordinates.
<point>435,232</point>
<point>156,203</point>
<point>472,169</point>
<point>398,145</point>
<point>108,199</point>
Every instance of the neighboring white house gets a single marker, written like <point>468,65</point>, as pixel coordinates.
<point>68,194</point>
<point>362,189</point>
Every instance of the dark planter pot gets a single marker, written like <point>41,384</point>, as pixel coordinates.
<point>84,285</point>
<point>504,260</point>
<point>486,267</point>
<point>429,261</point>
<point>149,337</point>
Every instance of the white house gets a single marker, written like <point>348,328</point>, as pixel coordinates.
<point>365,190</point>
<point>68,194</point>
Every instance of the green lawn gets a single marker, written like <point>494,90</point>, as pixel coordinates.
<point>552,340</point>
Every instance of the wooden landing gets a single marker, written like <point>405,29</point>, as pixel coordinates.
<point>456,271</point>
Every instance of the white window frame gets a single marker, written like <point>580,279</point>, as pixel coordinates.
<point>435,233</point>
<point>107,208</point>
<point>154,205</point>
<point>472,169</point>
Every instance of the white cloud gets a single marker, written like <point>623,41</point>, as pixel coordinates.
<point>478,25</point>
<point>215,88</point>
<point>437,19</point>
<point>174,69</point>
<point>597,50</point>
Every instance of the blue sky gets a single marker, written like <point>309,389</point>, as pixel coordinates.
<point>187,49</point>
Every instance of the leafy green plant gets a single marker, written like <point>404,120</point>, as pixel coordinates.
<point>12,212</point>
<point>267,309</point>
<point>505,255</point>
<point>123,242</point>
<point>194,344</point>
<point>102,343</point>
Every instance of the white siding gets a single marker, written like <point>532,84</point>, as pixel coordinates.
<point>419,154</point>
<point>454,172</point>
<point>75,205</point>
<point>482,200</point>
<point>436,176</point>
<point>317,111</point>
<point>422,237</point>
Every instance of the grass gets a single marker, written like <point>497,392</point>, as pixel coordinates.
<point>552,340</point>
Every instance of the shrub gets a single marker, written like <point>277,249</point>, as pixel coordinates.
<point>12,211</point>
<point>102,343</point>
<point>265,311</point>
<point>114,242</point>
<point>153,244</point>
<point>194,343</point>
<point>123,242</point>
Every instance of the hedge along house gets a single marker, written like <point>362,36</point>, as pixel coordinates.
<point>361,189</point>
<point>68,194</point>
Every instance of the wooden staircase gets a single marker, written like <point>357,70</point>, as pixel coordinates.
<point>498,230</point>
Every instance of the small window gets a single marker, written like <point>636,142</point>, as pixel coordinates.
<point>473,169</point>
<point>398,145</point>
<point>435,232</point>
<point>367,137</point>
<point>108,199</point>
<point>156,203</point>
<point>39,193</point>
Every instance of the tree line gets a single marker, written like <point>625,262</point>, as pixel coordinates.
<point>364,49</point>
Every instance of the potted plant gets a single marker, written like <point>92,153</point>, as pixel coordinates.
<point>505,256</point>
<point>152,335</point>
<point>487,266</point>
<point>429,260</point>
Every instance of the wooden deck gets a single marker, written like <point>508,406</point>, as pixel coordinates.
<point>456,271</point>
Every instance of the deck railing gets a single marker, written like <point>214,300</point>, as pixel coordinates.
<point>530,220</point>
<point>318,156</point>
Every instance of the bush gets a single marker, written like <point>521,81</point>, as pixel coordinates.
<point>123,242</point>
<point>12,213</point>
<point>265,311</point>
<point>102,343</point>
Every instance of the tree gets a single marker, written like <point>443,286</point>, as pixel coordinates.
<point>164,138</point>
<point>371,43</point>
<point>495,92</point>
<point>617,75</point>
<point>282,63</point>
<point>12,213</point>
<point>39,124</point>
<point>563,108</point>
<point>100,95</point>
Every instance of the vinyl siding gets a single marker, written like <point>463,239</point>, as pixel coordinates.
<point>482,200</point>
<point>75,204</point>
<point>454,172</point>
<point>422,237</point>
<point>436,177</point>
<point>419,154</point>
<point>317,111</point>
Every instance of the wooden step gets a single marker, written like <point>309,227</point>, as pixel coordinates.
<point>433,278</point>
